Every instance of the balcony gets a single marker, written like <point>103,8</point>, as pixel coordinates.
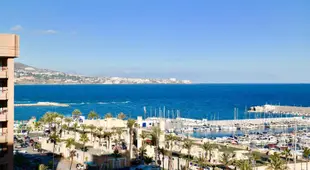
<point>3,115</point>
<point>3,72</point>
<point>3,137</point>
<point>4,93</point>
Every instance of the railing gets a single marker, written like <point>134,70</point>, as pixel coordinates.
<point>4,93</point>
<point>3,72</point>
<point>3,137</point>
<point>4,115</point>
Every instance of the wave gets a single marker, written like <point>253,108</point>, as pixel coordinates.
<point>42,104</point>
<point>82,103</point>
<point>125,102</point>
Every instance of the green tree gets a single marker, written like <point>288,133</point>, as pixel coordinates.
<point>143,136</point>
<point>83,127</point>
<point>37,125</point>
<point>99,133</point>
<point>170,139</point>
<point>107,135</point>
<point>276,163</point>
<point>93,115</point>
<point>76,113</point>
<point>131,124</point>
<point>208,148</point>
<point>84,139</point>
<point>65,128</point>
<point>75,127</point>
<point>188,144</point>
<point>108,115</point>
<point>54,138</point>
<point>69,143</point>
<point>121,116</point>
<point>286,153</point>
<point>142,151</point>
<point>155,134</point>
<point>201,161</point>
<point>43,167</point>
<point>226,159</point>
<point>306,154</point>
<point>119,132</point>
<point>244,165</point>
<point>68,120</point>
<point>91,127</point>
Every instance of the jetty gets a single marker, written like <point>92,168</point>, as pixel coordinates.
<point>277,109</point>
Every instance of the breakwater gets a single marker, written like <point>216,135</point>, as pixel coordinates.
<point>276,109</point>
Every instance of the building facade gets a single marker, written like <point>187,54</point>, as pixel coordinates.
<point>9,49</point>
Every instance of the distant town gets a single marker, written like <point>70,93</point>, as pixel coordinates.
<point>25,74</point>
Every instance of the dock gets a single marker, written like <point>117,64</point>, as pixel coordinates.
<point>276,109</point>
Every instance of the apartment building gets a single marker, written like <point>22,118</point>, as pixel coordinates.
<point>9,49</point>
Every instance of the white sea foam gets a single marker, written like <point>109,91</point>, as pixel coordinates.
<point>42,104</point>
<point>125,102</point>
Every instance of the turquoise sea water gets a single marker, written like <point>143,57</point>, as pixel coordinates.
<point>211,101</point>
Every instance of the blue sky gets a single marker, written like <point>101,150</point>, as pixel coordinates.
<point>238,41</point>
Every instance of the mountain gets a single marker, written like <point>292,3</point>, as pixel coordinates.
<point>25,74</point>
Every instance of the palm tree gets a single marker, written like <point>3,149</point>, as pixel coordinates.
<point>69,143</point>
<point>43,167</point>
<point>83,127</point>
<point>276,163</point>
<point>49,118</point>
<point>286,153</point>
<point>142,152</point>
<point>75,126</point>
<point>143,136</point>
<point>306,154</point>
<point>131,124</point>
<point>108,135</point>
<point>72,154</point>
<point>84,139</point>
<point>121,116</point>
<point>254,157</point>
<point>170,138</point>
<point>201,161</point>
<point>91,127</point>
<point>92,115</point>
<point>163,153</point>
<point>64,127</point>
<point>208,147</point>
<point>54,138</point>
<point>108,115</point>
<point>226,159</point>
<point>244,165</point>
<point>37,125</point>
<point>188,144</point>
<point>156,132</point>
<point>98,131</point>
<point>68,120</point>
<point>119,132</point>
<point>76,113</point>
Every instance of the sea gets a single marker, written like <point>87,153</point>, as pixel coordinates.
<point>197,101</point>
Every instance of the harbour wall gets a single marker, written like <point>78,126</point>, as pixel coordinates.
<point>276,109</point>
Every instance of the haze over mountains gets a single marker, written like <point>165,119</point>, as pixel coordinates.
<point>25,74</point>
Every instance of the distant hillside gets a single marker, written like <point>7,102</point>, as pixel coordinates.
<point>25,74</point>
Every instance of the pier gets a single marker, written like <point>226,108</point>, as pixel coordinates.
<point>260,121</point>
<point>276,109</point>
